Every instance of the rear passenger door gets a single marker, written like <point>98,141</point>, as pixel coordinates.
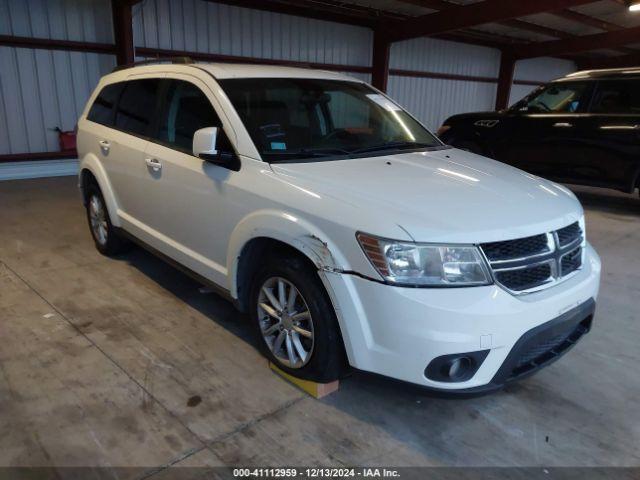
<point>124,145</point>
<point>613,128</point>
<point>188,205</point>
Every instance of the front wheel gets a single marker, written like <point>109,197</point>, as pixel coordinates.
<point>295,322</point>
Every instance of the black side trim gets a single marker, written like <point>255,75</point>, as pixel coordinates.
<point>223,292</point>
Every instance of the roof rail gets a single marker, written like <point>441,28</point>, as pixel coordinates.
<point>151,61</point>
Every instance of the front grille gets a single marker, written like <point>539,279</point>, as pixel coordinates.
<point>525,278</point>
<point>569,234</point>
<point>571,261</point>
<point>513,249</point>
<point>540,261</point>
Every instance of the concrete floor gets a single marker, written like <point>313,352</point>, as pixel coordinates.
<point>125,363</point>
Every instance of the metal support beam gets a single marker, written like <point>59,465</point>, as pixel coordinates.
<point>469,15</point>
<point>329,10</point>
<point>123,31</point>
<point>583,43</point>
<point>51,44</point>
<point>380,60</point>
<point>505,80</point>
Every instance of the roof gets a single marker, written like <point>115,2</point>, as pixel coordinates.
<point>604,73</point>
<point>240,70</point>
<point>223,71</point>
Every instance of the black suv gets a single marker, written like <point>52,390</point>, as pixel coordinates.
<point>582,129</point>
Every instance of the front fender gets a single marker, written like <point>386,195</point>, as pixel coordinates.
<point>286,228</point>
<point>92,163</point>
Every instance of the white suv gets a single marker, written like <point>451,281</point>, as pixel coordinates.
<point>348,232</point>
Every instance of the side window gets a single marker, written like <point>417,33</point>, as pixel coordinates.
<point>617,96</point>
<point>561,97</point>
<point>102,109</point>
<point>136,108</point>
<point>187,109</point>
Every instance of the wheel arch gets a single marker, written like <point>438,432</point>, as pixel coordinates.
<point>91,170</point>
<point>268,230</point>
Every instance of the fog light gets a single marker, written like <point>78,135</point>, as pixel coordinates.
<point>458,367</point>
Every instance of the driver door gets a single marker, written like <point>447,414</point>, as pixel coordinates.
<point>191,202</point>
<point>550,129</point>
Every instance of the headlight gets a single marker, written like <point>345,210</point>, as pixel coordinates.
<point>415,264</point>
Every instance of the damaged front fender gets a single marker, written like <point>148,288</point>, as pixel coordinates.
<point>288,229</point>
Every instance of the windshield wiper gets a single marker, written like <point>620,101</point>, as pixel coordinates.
<point>393,145</point>
<point>309,153</point>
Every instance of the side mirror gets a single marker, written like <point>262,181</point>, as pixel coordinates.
<point>205,143</point>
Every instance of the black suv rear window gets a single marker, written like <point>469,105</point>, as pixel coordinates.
<point>102,109</point>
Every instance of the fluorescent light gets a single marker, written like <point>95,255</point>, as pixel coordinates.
<point>634,5</point>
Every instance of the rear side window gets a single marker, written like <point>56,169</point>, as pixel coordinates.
<point>137,105</point>
<point>187,109</point>
<point>617,96</point>
<point>103,107</point>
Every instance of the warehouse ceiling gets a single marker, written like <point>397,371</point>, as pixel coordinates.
<point>594,33</point>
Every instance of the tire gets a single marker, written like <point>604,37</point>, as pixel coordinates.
<point>326,358</point>
<point>105,236</point>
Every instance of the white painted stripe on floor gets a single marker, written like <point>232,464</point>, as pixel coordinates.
<point>38,169</point>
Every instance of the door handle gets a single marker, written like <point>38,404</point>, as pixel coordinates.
<point>104,146</point>
<point>563,125</point>
<point>154,164</point>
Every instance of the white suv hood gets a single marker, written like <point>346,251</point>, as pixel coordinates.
<point>439,196</point>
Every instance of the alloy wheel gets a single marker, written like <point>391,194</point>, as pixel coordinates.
<point>98,220</point>
<point>285,322</point>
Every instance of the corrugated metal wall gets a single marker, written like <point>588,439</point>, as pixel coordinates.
<point>433,100</point>
<point>80,20</point>
<point>43,89</point>
<point>541,69</point>
<point>196,25</point>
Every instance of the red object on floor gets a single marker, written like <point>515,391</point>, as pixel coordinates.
<point>67,140</point>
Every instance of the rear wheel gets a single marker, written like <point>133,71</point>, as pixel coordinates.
<point>104,234</point>
<point>295,322</point>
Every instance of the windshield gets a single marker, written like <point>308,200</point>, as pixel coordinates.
<point>291,119</point>
<point>561,97</point>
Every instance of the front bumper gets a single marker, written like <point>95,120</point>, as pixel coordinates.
<point>398,331</point>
